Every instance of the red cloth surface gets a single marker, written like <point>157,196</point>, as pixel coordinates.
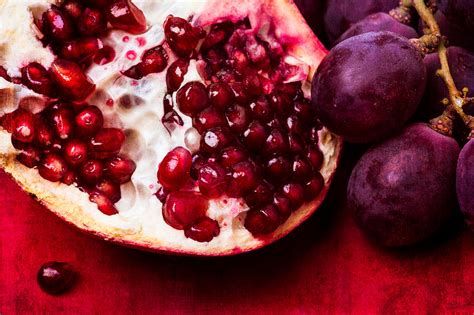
<point>326,266</point>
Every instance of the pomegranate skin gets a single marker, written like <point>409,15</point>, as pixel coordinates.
<point>465,182</point>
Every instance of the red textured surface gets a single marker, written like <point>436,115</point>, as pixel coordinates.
<point>325,266</point>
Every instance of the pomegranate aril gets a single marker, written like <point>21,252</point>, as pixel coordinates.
<point>261,109</point>
<point>240,94</point>
<point>302,170</point>
<point>294,125</point>
<point>277,169</point>
<point>73,8</point>
<point>296,143</point>
<point>110,189</point>
<point>243,178</point>
<point>192,98</point>
<point>313,135</point>
<point>183,208</point>
<point>29,156</point>
<point>89,121</point>
<point>292,90</point>
<point>315,157</point>
<point>208,118</point>
<point>92,22</point>
<point>313,187</point>
<point>172,119</point>
<point>72,81</point>
<point>239,60</point>
<point>62,121</point>
<point>304,111</point>
<point>252,84</point>
<point>226,75</point>
<point>262,220</point>
<point>55,277</point>
<point>232,155</point>
<point>198,161</point>
<point>174,169</point>
<point>218,34</point>
<point>215,139</point>
<point>221,95</point>
<point>281,104</point>
<point>104,55</point>
<point>153,60</point>
<point>124,15</point>
<point>23,126</point>
<point>80,49</point>
<point>276,143</point>
<point>75,152</point>
<point>4,74</point>
<point>52,167</point>
<point>107,143</point>
<point>283,205</point>
<point>35,77</point>
<point>212,180</point>
<point>162,194</point>
<point>254,137</point>
<point>175,74</point>
<point>215,60</point>
<point>120,169</point>
<point>103,203</point>
<point>57,25</point>
<point>69,177</point>
<point>181,36</point>
<point>237,118</point>
<point>203,230</point>
<point>295,193</point>
<point>260,195</point>
<point>91,172</point>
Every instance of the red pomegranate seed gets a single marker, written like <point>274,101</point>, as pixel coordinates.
<point>255,135</point>
<point>92,22</point>
<point>221,95</point>
<point>56,277</point>
<point>239,60</point>
<point>162,194</point>
<point>238,118</point>
<point>261,109</point>
<point>73,8</point>
<point>175,168</point>
<point>110,189</point>
<point>260,195</point>
<point>208,118</point>
<point>180,35</point>
<point>304,111</point>
<point>35,77</point>
<point>291,90</point>
<point>277,169</point>
<point>295,193</point>
<point>89,121</point>
<point>43,135</point>
<point>91,172</point>
<point>69,177</point>
<point>154,60</point>
<point>243,179</point>
<point>62,121</point>
<point>75,152</point>
<point>107,143</point>
<point>313,187</point>
<point>313,135</point>
<point>262,220</point>
<point>120,169</point>
<point>7,122</point>
<point>252,84</point>
<point>74,84</point>
<point>198,161</point>
<point>232,155</point>
<point>4,74</point>
<point>80,49</point>
<point>56,146</point>
<point>215,60</point>
<point>124,15</point>
<point>215,139</point>
<point>175,74</point>
<point>172,119</point>
<point>203,230</point>
<point>29,156</point>
<point>23,126</point>
<point>296,143</point>
<point>219,33</point>
<point>212,180</point>
<point>302,170</point>
<point>183,208</point>
<point>192,98</point>
<point>276,143</point>
<point>281,104</point>
<point>315,157</point>
<point>52,167</point>
<point>240,94</point>
<point>57,25</point>
<point>104,204</point>
<point>283,205</point>
<point>294,125</point>
<point>104,55</point>
<point>226,75</point>
<point>168,104</point>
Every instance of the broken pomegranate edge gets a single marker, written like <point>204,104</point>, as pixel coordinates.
<point>74,207</point>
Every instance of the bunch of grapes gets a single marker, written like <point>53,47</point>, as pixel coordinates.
<point>389,80</point>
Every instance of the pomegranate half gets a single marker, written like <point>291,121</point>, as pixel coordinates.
<point>177,124</point>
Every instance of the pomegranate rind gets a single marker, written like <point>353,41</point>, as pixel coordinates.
<point>74,207</point>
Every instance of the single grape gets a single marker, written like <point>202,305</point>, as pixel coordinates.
<point>368,86</point>
<point>459,12</point>
<point>461,65</point>
<point>402,190</point>
<point>465,182</point>
<point>341,14</point>
<point>378,22</point>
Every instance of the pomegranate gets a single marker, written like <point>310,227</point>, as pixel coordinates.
<point>198,138</point>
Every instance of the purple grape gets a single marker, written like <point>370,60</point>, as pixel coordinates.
<point>465,182</point>
<point>368,86</point>
<point>461,65</point>
<point>459,13</point>
<point>402,190</point>
<point>341,14</point>
<point>378,22</point>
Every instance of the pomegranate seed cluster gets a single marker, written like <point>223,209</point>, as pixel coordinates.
<point>258,134</point>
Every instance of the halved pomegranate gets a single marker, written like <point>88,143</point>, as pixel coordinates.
<point>196,138</point>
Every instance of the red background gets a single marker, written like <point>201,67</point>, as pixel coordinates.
<point>325,266</point>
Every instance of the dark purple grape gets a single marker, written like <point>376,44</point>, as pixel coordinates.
<point>465,182</point>
<point>368,86</point>
<point>459,12</point>
<point>402,190</point>
<point>461,65</point>
<point>341,14</point>
<point>55,277</point>
<point>378,22</point>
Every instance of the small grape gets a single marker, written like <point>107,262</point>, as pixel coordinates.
<point>402,190</point>
<point>459,13</point>
<point>465,182</point>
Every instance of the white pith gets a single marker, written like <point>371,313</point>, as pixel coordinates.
<point>140,220</point>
